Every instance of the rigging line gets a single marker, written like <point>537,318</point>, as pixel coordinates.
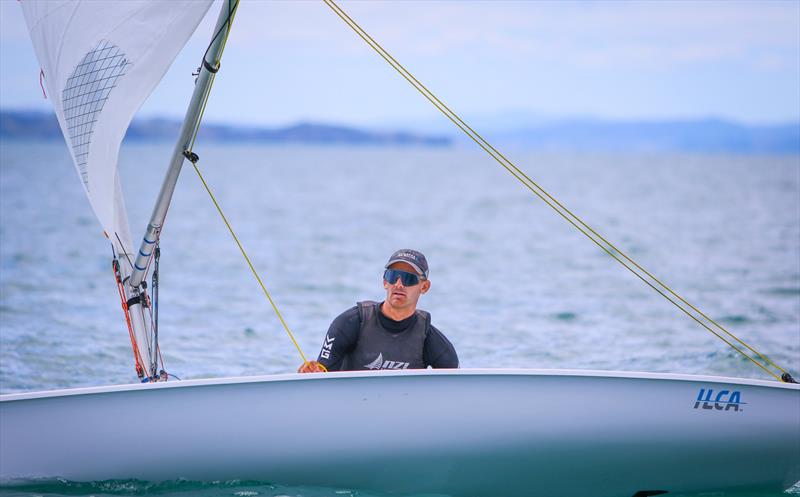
<point>203,105</point>
<point>226,26</point>
<point>624,255</point>
<point>249,263</point>
<point>189,151</point>
<point>233,8</point>
<point>122,246</point>
<point>533,186</point>
<point>154,307</point>
<point>137,357</point>
<point>497,155</point>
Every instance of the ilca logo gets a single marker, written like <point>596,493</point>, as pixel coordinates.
<point>379,363</point>
<point>724,400</point>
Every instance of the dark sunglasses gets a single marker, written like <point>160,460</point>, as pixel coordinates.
<point>408,279</point>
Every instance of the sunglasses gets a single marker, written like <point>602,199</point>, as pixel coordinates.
<point>408,279</point>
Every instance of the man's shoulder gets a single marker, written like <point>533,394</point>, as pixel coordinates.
<point>345,327</point>
<point>366,307</point>
<point>439,351</point>
<point>347,316</point>
<point>436,334</point>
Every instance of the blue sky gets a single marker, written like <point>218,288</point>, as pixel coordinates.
<point>289,61</point>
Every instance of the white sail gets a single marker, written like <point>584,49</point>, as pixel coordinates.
<point>101,60</point>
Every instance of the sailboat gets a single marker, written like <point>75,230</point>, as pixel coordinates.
<point>470,432</point>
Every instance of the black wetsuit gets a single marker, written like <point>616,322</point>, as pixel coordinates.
<point>343,335</point>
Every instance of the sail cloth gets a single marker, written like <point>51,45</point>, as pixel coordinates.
<point>101,60</point>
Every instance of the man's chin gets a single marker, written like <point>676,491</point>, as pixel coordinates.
<point>398,300</point>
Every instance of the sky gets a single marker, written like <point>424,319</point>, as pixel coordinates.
<point>292,61</point>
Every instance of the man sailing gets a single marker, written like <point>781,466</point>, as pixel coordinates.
<point>392,334</point>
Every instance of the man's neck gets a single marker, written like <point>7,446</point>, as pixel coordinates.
<point>396,314</point>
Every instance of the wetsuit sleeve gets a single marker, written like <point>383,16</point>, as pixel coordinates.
<point>341,338</point>
<point>438,352</point>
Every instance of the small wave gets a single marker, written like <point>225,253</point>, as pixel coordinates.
<point>61,486</point>
<point>565,316</point>
<point>784,291</point>
<point>735,319</point>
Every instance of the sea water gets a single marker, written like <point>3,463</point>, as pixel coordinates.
<point>513,285</point>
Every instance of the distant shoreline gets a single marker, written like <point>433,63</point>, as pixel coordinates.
<point>567,135</point>
<point>34,125</point>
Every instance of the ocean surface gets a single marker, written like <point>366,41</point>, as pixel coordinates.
<point>513,285</point>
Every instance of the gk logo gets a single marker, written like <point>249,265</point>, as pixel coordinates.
<point>326,347</point>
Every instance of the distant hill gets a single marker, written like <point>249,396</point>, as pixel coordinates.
<point>705,136</point>
<point>44,126</point>
<point>581,135</point>
<point>548,132</point>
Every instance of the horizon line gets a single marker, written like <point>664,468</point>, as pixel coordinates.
<point>395,122</point>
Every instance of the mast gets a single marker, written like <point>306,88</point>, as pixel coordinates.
<point>100,61</point>
<point>208,70</point>
<point>133,284</point>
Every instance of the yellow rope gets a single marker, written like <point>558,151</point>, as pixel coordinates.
<point>246,258</point>
<point>216,204</point>
<point>548,199</point>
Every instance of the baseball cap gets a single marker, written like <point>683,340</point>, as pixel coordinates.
<point>412,257</point>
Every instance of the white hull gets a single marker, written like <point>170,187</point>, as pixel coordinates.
<point>455,432</point>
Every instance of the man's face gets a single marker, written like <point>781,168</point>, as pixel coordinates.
<point>404,297</point>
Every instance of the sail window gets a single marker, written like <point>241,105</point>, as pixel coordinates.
<point>86,92</point>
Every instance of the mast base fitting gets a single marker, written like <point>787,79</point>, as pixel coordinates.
<point>787,378</point>
<point>162,376</point>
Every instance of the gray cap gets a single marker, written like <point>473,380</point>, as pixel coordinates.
<point>412,257</point>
